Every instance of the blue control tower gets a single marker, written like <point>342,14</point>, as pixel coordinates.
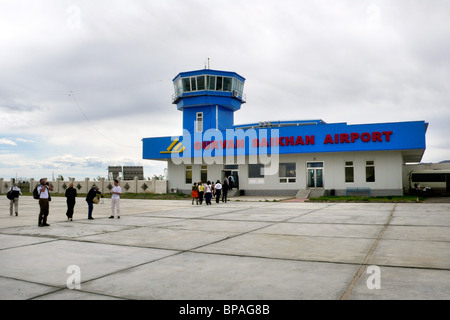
<point>208,98</point>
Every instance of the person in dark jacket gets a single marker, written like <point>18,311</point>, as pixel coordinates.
<point>14,202</point>
<point>90,200</point>
<point>225,187</point>
<point>71,194</point>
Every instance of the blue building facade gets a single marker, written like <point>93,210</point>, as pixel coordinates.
<point>278,157</point>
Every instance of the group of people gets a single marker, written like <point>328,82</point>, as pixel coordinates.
<point>200,191</point>
<point>95,193</point>
<point>43,190</point>
<point>209,190</point>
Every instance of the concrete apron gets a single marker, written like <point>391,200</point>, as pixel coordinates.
<point>162,249</point>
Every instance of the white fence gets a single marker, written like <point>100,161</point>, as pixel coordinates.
<point>128,186</point>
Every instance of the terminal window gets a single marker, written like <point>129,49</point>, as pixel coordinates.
<point>349,172</point>
<point>199,122</point>
<point>188,174</point>
<point>287,173</point>
<point>204,174</point>
<point>256,170</point>
<point>370,171</point>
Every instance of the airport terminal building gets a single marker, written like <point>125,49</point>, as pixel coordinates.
<point>298,157</point>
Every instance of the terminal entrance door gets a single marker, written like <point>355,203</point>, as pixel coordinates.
<point>314,175</point>
<point>231,170</point>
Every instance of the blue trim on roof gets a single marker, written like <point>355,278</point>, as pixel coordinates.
<point>209,72</point>
<point>338,137</point>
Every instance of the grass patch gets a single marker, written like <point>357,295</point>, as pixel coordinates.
<point>367,199</point>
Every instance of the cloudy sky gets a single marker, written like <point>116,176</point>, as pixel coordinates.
<point>82,82</point>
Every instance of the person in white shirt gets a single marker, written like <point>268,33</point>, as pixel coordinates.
<point>44,194</point>
<point>14,202</point>
<point>218,190</point>
<point>208,193</point>
<point>115,199</point>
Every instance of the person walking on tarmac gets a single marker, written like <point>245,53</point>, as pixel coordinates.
<point>14,202</point>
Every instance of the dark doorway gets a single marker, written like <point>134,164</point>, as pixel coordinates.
<point>234,174</point>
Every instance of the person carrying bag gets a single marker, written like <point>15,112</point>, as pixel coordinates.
<point>13,196</point>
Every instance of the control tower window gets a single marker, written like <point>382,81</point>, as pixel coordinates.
<point>186,85</point>
<point>177,86</point>
<point>237,86</point>
<point>211,83</point>
<point>219,84</point>
<point>227,84</point>
<point>207,82</point>
<point>201,83</point>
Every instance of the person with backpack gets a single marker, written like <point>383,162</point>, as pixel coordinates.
<point>43,190</point>
<point>14,193</point>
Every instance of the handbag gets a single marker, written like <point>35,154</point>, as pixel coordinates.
<point>95,200</point>
<point>9,195</point>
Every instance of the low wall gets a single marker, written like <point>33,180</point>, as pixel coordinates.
<point>128,186</point>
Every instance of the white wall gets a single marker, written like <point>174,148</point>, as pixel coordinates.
<point>176,175</point>
<point>128,186</point>
<point>388,173</point>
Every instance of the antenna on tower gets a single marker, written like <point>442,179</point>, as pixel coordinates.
<point>208,63</point>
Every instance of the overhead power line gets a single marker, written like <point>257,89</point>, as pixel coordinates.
<point>71,94</point>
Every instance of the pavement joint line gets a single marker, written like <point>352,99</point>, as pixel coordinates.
<point>33,282</point>
<point>178,251</point>
<point>357,276</point>
<point>78,290</point>
<point>315,261</point>
<point>56,237</point>
<point>175,253</point>
<point>57,288</point>
<point>30,244</point>
<point>191,250</point>
<point>266,206</point>
<point>249,231</point>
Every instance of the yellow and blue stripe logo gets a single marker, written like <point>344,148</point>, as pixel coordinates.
<point>175,147</point>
